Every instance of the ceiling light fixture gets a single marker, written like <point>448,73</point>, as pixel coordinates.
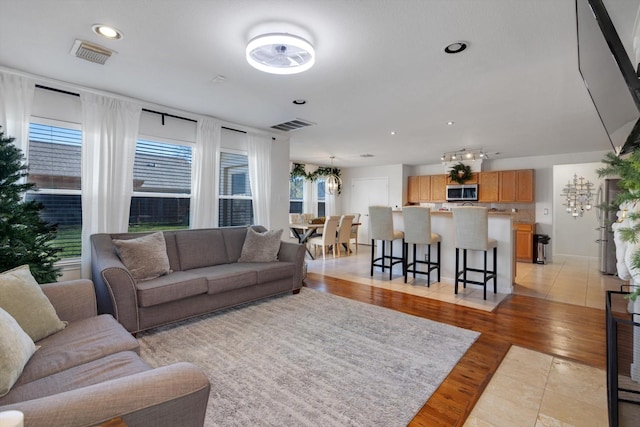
<point>107,31</point>
<point>464,154</point>
<point>333,182</point>
<point>280,53</point>
<point>456,47</point>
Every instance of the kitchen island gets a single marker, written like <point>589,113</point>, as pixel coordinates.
<point>500,228</point>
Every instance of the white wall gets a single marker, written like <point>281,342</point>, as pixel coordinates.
<point>396,175</point>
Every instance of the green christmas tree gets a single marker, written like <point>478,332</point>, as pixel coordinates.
<point>24,237</point>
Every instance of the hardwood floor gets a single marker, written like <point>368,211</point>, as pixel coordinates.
<point>572,332</point>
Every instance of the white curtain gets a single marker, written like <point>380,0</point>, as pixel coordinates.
<point>203,176</point>
<point>109,133</point>
<point>259,154</point>
<point>16,98</point>
<point>329,204</point>
<point>309,198</point>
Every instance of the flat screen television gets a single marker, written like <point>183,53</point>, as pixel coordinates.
<point>609,75</point>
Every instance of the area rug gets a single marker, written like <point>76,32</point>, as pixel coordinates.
<point>312,359</point>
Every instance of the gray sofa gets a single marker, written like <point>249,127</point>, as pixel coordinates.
<point>90,373</point>
<point>206,276</point>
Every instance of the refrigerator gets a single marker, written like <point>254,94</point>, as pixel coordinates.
<point>607,193</point>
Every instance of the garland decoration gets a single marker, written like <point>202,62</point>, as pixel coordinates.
<point>460,173</point>
<point>299,171</point>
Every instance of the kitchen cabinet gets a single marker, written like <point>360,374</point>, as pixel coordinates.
<point>488,187</point>
<point>516,186</point>
<point>524,241</point>
<point>425,188</point>
<point>413,189</point>
<point>439,188</point>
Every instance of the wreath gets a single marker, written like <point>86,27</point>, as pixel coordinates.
<point>299,171</point>
<point>460,173</point>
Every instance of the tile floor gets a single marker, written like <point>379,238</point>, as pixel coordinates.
<point>529,388</point>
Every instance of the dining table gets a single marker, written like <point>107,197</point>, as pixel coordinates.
<point>303,231</point>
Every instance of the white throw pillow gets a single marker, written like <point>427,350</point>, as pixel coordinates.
<point>22,297</point>
<point>261,247</point>
<point>16,348</point>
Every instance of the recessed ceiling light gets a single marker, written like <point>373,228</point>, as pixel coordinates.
<point>450,123</point>
<point>456,47</point>
<point>280,53</point>
<point>393,132</point>
<point>107,31</point>
<point>299,101</point>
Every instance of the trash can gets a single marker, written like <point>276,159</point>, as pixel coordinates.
<point>540,242</point>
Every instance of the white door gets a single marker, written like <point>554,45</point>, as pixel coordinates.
<point>368,192</point>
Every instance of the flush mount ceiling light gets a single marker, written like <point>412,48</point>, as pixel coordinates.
<point>456,47</point>
<point>280,53</point>
<point>107,31</point>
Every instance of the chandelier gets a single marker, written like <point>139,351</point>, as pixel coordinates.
<point>333,182</point>
<point>577,196</point>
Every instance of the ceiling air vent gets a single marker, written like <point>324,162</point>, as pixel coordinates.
<point>292,125</point>
<point>90,52</point>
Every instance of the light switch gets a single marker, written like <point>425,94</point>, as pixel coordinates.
<point>546,211</point>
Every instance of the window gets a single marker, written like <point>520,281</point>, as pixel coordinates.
<point>296,190</point>
<point>55,168</point>
<point>321,196</point>
<point>161,186</point>
<point>235,200</point>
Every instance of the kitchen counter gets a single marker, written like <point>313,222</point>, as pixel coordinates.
<point>500,228</point>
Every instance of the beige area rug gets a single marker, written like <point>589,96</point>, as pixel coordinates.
<point>312,359</point>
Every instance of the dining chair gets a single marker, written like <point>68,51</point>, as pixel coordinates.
<point>344,233</point>
<point>328,237</point>
<point>471,229</point>
<point>353,236</point>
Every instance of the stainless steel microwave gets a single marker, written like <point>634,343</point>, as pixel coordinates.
<point>462,192</point>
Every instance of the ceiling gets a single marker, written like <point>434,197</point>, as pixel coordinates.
<point>515,91</point>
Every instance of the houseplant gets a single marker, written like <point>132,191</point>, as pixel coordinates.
<point>24,237</point>
<point>628,170</point>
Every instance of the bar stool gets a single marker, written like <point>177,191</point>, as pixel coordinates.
<point>471,224</point>
<point>417,231</point>
<point>381,227</point>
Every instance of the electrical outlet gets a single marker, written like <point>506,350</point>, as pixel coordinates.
<point>546,211</point>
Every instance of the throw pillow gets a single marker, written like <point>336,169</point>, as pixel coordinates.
<point>22,298</point>
<point>260,247</point>
<point>16,348</point>
<point>145,257</point>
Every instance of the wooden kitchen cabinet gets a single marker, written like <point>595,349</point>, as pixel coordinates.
<point>488,187</point>
<point>439,188</point>
<point>524,241</point>
<point>413,189</point>
<point>516,186</point>
<point>525,189</point>
<point>425,188</point>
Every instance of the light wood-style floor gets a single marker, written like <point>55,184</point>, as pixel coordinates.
<point>544,341</point>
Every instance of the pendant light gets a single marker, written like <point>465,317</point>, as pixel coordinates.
<point>333,182</point>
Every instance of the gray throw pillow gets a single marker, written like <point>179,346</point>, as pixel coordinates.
<point>16,348</point>
<point>23,299</point>
<point>145,257</point>
<point>261,247</point>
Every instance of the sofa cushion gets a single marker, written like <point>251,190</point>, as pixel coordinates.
<point>22,298</point>
<point>261,247</point>
<point>145,257</point>
<point>221,278</point>
<point>180,284</point>
<point>272,271</point>
<point>16,348</point>
<point>80,342</point>
<point>234,240</point>
<point>118,365</point>
<point>201,248</point>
